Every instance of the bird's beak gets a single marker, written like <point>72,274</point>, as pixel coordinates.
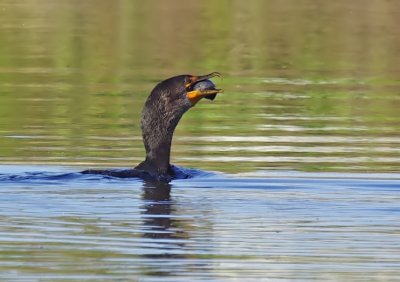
<point>195,95</point>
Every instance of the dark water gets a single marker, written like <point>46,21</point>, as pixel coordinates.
<point>298,161</point>
<point>63,226</point>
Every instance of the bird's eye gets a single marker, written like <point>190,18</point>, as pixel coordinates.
<point>187,82</point>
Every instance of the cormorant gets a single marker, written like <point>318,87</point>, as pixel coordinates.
<point>165,106</point>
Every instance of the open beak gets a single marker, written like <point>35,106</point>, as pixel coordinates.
<point>194,95</point>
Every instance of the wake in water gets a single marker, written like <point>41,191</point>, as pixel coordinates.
<point>190,178</point>
<point>17,174</point>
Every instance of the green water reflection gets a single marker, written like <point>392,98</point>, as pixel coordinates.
<point>309,85</point>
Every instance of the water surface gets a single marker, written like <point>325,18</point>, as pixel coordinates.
<point>300,154</point>
<point>62,226</point>
<point>308,85</point>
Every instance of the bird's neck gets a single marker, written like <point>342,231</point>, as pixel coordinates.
<point>157,130</point>
<point>158,155</point>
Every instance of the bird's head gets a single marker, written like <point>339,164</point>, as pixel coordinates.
<point>184,91</point>
<point>165,106</point>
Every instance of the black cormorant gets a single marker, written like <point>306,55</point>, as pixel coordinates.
<point>165,106</point>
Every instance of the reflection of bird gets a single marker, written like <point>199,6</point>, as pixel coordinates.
<point>167,102</point>
<point>161,227</point>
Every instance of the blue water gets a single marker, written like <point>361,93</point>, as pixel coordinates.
<point>59,225</point>
<point>308,86</point>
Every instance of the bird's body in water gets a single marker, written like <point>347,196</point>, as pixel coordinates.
<point>164,107</point>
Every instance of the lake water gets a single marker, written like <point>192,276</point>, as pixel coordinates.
<point>298,159</point>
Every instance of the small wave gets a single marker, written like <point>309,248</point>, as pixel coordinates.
<point>15,174</point>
